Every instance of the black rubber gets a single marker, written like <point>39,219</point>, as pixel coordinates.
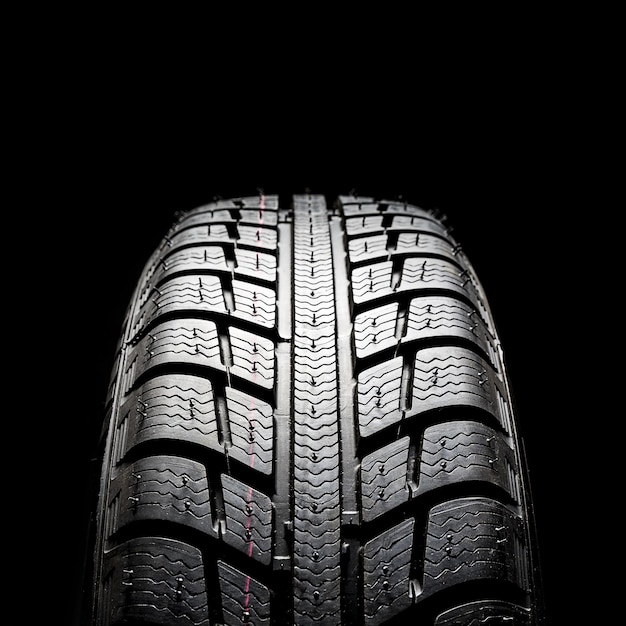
<point>309,422</point>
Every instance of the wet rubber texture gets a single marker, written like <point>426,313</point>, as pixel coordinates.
<point>309,422</point>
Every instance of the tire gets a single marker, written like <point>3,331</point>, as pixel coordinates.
<point>309,422</point>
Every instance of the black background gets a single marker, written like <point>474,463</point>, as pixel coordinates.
<point>126,140</point>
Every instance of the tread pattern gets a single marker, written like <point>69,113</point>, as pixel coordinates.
<point>161,488</point>
<point>316,435</point>
<point>379,396</point>
<point>251,430</point>
<point>434,420</point>
<point>384,478</point>
<point>158,579</point>
<point>248,519</point>
<point>192,445</point>
<point>441,317</point>
<point>387,562</point>
<point>175,407</point>
<point>244,599</point>
<point>184,342</point>
<point>201,293</point>
<point>311,424</point>
<point>462,451</point>
<point>476,534</point>
<point>376,280</point>
<point>252,357</point>
<point>375,330</point>
<point>450,376</point>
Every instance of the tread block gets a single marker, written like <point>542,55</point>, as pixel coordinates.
<point>254,303</point>
<point>253,357</point>
<point>372,281</point>
<point>203,235</point>
<point>418,222</point>
<point>187,341</point>
<point>196,260</point>
<point>250,209</point>
<point>427,244</point>
<point>257,237</point>
<point>193,293</point>
<point>210,214</point>
<point>367,248</point>
<point>378,247</point>
<point>361,205</point>
<point>456,452</point>
<point>249,526</point>
<point>261,201</point>
<point>176,407</point>
<point>386,577</point>
<point>259,216</point>
<point>251,429</point>
<point>452,376</point>
<point>161,488</point>
<point>378,396</point>
<point>375,330</point>
<point>472,539</point>
<point>384,479</point>
<point>441,317</point>
<point>358,205</point>
<point>244,599</point>
<point>253,264</point>
<point>368,224</point>
<point>364,225</point>
<point>155,579</point>
<point>418,274</point>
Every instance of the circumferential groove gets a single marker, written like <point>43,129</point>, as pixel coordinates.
<point>226,353</point>
<point>406,383</point>
<point>223,428</point>
<point>401,320</point>
<point>227,290</point>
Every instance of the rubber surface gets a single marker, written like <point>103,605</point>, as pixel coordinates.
<point>309,422</point>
